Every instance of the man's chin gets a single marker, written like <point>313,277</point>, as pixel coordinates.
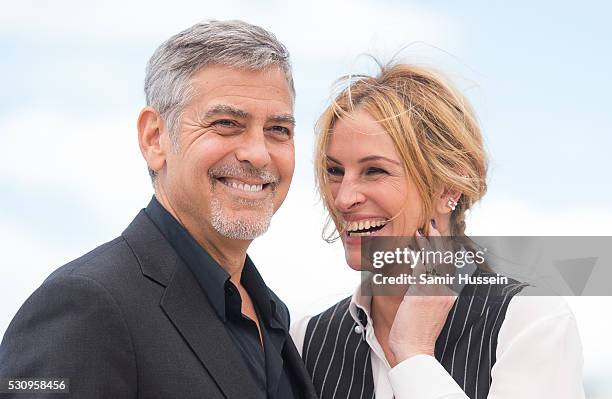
<point>241,226</point>
<point>240,230</point>
<point>253,216</point>
<point>239,221</point>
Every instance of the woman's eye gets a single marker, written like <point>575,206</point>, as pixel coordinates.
<point>334,171</point>
<point>375,171</point>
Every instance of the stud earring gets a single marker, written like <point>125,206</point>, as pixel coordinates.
<point>452,204</point>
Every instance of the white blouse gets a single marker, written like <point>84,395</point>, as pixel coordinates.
<point>539,355</point>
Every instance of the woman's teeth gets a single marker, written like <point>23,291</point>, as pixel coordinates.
<point>365,227</point>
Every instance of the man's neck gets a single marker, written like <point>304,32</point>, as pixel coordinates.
<point>230,254</point>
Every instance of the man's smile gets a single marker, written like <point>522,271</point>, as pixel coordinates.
<point>248,188</point>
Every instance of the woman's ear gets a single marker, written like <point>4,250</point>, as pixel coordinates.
<point>446,201</point>
<point>150,130</point>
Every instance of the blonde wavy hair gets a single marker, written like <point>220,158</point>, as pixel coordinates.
<point>433,128</point>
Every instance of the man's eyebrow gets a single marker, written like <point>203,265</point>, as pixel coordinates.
<point>238,113</point>
<point>227,110</point>
<point>368,158</point>
<point>282,118</point>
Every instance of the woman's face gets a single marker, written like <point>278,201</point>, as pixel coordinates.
<point>368,184</point>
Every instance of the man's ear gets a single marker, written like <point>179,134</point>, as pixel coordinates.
<point>446,200</point>
<point>150,131</point>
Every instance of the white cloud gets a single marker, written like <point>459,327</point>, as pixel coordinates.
<point>515,217</point>
<point>26,261</point>
<point>316,28</point>
<point>112,19</point>
<point>348,28</point>
<point>96,159</point>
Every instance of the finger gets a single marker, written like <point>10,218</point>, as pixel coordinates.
<point>433,232</point>
<point>435,241</point>
<point>442,244</point>
<point>421,242</point>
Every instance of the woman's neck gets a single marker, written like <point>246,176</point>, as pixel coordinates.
<point>384,309</point>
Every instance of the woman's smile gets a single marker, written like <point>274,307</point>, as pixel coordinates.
<point>362,226</point>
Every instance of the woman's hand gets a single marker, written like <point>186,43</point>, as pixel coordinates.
<point>422,313</point>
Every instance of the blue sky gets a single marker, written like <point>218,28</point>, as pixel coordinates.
<point>71,76</point>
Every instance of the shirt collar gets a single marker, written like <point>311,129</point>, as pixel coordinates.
<point>258,290</point>
<point>359,307</point>
<point>210,275</point>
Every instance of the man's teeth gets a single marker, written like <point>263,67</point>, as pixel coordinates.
<point>364,224</point>
<point>242,186</point>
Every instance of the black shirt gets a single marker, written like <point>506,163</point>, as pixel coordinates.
<point>265,364</point>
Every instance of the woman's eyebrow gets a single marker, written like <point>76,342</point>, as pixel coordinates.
<point>366,159</point>
<point>378,158</point>
<point>332,159</point>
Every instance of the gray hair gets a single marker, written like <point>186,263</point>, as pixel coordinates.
<point>233,43</point>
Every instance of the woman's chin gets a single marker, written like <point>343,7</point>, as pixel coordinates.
<point>353,259</point>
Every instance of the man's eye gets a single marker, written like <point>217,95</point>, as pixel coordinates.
<point>334,171</point>
<point>225,123</point>
<point>375,171</point>
<point>282,130</point>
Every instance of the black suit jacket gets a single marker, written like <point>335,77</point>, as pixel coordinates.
<point>129,320</point>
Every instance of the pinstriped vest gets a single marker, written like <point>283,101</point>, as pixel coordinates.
<point>338,359</point>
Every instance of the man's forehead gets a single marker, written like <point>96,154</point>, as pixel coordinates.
<point>267,84</point>
<point>241,104</point>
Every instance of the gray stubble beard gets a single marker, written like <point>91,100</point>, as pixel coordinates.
<point>241,228</point>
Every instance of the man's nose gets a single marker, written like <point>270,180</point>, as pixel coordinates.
<point>253,149</point>
<point>349,196</point>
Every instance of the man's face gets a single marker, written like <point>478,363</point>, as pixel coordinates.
<point>235,157</point>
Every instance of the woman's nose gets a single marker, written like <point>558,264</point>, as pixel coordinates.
<point>348,196</point>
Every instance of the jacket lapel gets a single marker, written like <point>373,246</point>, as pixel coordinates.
<point>188,308</point>
<point>155,255</point>
<point>296,364</point>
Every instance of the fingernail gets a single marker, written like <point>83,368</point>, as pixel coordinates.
<point>433,223</point>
